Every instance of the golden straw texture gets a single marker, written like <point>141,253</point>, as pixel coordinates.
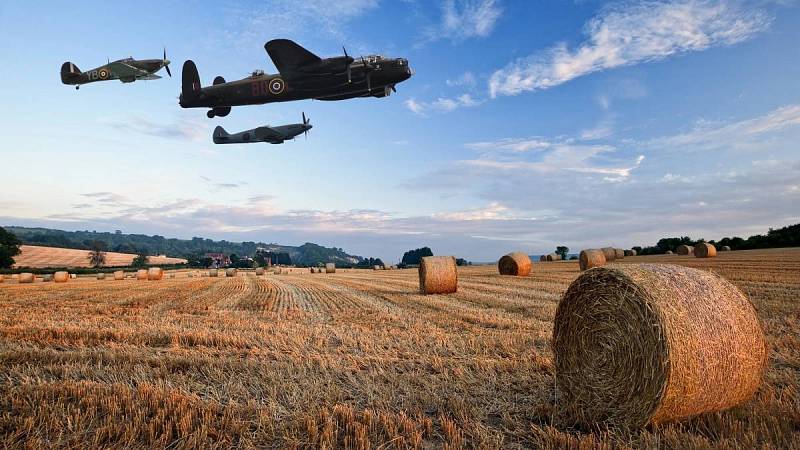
<point>653,343</point>
<point>684,250</point>
<point>591,258</point>
<point>516,263</point>
<point>61,277</point>
<point>438,275</point>
<point>155,274</point>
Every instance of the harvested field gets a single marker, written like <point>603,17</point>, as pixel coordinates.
<point>39,257</point>
<point>353,359</point>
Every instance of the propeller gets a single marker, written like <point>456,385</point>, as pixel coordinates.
<point>368,70</point>
<point>165,62</point>
<point>347,60</point>
<point>305,122</point>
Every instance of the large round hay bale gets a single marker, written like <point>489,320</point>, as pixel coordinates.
<point>101,276</point>
<point>213,273</point>
<point>119,275</point>
<point>630,252</point>
<point>155,274</point>
<point>550,257</point>
<point>591,258</point>
<point>259,271</point>
<point>231,272</point>
<point>705,250</point>
<point>725,248</point>
<point>654,343</point>
<point>438,275</point>
<point>141,274</point>
<point>610,253</point>
<point>543,258</point>
<point>330,268</point>
<point>619,253</point>
<point>516,263</point>
<point>25,278</point>
<point>684,249</point>
<point>61,276</point>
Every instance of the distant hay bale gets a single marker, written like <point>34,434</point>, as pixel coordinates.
<point>591,258</point>
<point>213,273</point>
<point>705,250</point>
<point>61,277</point>
<point>630,252</point>
<point>15,277</point>
<point>276,271</point>
<point>101,276</point>
<point>610,253</point>
<point>25,278</point>
<point>684,250</point>
<point>1,278</point>
<point>376,267</point>
<point>668,252</point>
<point>73,276</point>
<point>515,263</point>
<point>725,248</point>
<point>543,258</point>
<point>619,253</point>
<point>330,268</point>
<point>259,271</point>
<point>553,257</point>
<point>654,343</point>
<point>141,274</point>
<point>231,272</point>
<point>155,274</point>
<point>172,275</point>
<point>438,275</point>
<point>119,275</point>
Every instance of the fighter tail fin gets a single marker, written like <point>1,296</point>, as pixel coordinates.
<point>70,73</point>
<point>220,135</point>
<point>190,80</point>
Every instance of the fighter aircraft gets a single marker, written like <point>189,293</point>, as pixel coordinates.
<point>125,70</point>
<point>302,75</point>
<point>272,135</point>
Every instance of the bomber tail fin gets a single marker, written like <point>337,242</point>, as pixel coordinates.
<point>70,74</point>
<point>220,135</point>
<point>190,80</point>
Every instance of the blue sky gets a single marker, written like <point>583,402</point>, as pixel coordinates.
<point>527,124</point>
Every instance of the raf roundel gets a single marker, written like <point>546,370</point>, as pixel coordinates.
<point>276,86</point>
<point>103,73</point>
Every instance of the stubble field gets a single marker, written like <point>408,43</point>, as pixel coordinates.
<point>355,359</point>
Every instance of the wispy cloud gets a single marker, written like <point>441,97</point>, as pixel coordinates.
<point>184,128</point>
<point>631,33</point>
<point>466,79</point>
<point>464,19</point>
<point>441,104</point>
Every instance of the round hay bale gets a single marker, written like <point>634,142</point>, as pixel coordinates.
<point>591,258</point>
<point>668,252</point>
<point>515,263</point>
<point>2,278</point>
<point>684,250</point>
<point>141,274</point>
<point>619,253</point>
<point>231,272</point>
<point>553,257</point>
<point>276,271</point>
<point>630,252</point>
<point>14,277</point>
<point>725,248</point>
<point>47,278</point>
<point>654,343</point>
<point>259,271</point>
<point>213,273</point>
<point>330,268</point>
<point>61,277</point>
<point>25,278</point>
<point>376,267</point>
<point>705,250</point>
<point>610,253</point>
<point>438,275</point>
<point>101,276</point>
<point>155,274</point>
<point>543,258</point>
<point>73,276</point>
<point>119,275</point>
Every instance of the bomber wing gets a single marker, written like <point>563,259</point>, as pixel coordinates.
<point>288,55</point>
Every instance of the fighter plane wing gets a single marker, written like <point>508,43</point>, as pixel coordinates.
<point>267,134</point>
<point>123,70</point>
<point>287,55</point>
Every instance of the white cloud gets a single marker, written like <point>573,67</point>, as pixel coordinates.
<point>441,104</point>
<point>463,19</point>
<point>466,79</point>
<point>632,33</point>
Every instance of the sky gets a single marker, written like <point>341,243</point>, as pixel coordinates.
<point>526,125</point>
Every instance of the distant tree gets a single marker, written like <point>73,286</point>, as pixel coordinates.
<point>97,253</point>
<point>234,260</point>
<point>413,257</point>
<point>462,262</point>
<point>562,250</point>
<point>9,248</point>
<point>140,261</point>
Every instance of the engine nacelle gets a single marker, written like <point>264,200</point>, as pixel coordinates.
<point>387,91</point>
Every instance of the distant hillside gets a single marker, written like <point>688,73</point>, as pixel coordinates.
<point>41,257</point>
<point>306,254</point>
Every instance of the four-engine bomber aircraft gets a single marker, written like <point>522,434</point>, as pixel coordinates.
<point>126,70</point>
<point>303,75</point>
<point>272,135</point>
